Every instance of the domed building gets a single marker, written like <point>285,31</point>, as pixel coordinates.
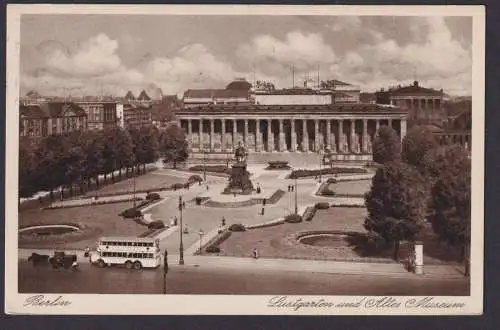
<point>239,84</point>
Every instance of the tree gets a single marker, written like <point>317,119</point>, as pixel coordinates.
<point>94,157</point>
<point>50,155</point>
<point>418,147</point>
<point>173,145</point>
<point>125,150</point>
<point>146,144</point>
<point>27,170</point>
<point>74,158</point>
<point>396,203</point>
<point>386,146</point>
<point>451,200</point>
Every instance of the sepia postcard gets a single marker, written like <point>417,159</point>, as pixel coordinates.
<point>244,160</point>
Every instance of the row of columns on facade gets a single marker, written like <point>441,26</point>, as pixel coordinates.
<point>330,144</point>
<point>417,103</point>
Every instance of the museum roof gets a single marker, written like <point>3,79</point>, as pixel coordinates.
<point>50,109</point>
<point>216,93</point>
<point>267,109</point>
<point>415,89</point>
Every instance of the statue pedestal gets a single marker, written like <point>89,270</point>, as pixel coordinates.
<point>239,181</point>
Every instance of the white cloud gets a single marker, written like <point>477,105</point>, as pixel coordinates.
<point>439,61</point>
<point>97,56</point>
<point>299,49</point>
<point>192,66</point>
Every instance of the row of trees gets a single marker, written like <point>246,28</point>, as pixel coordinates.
<point>419,180</point>
<point>79,158</point>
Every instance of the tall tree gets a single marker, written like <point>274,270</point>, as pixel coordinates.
<point>50,155</point>
<point>451,200</point>
<point>146,145</point>
<point>396,203</point>
<point>94,157</point>
<point>418,147</point>
<point>125,150</point>
<point>386,146</point>
<point>75,159</point>
<point>27,169</point>
<point>173,145</point>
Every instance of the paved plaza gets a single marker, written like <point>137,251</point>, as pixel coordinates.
<point>208,219</point>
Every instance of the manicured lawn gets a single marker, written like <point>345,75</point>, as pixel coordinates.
<point>149,181</point>
<point>277,241</point>
<point>102,220</point>
<point>351,187</point>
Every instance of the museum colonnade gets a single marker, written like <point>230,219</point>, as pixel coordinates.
<point>348,136</point>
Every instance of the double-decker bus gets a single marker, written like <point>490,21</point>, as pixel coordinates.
<point>131,252</point>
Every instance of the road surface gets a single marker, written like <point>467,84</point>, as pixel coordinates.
<point>193,279</point>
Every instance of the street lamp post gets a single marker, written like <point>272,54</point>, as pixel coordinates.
<point>133,174</point>
<point>296,206</point>
<point>320,161</point>
<point>181,246</point>
<point>165,271</point>
<point>204,166</point>
<point>201,233</point>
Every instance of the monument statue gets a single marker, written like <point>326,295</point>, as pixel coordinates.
<point>239,179</point>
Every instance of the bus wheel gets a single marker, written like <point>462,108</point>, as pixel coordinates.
<point>101,263</point>
<point>128,264</point>
<point>137,265</point>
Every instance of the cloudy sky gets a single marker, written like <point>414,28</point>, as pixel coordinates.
<point>132,52</point>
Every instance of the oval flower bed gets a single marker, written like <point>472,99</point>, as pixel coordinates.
<point>82,233</point>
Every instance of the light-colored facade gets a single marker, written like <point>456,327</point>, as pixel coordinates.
<point>136,116</point>
<point>100,114</point>
<point>345,130</point>
<point>39,121</point>
<point>424,105</point>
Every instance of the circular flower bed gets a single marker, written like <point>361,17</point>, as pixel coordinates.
<point>55,233</point>
<point>46,230</point>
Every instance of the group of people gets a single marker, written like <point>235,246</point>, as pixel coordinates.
<point>291,188</point>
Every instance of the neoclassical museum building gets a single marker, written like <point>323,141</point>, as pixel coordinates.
<point>298,124</point>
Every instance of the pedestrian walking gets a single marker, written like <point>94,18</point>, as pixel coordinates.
<point>175,221</point>
<point>288,188</point>
<point>86,254</point>
<point>183,205</point>
<point>223,222</point>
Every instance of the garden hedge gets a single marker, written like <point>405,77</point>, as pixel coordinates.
<point>237,227</point>
<point>210,168</point>
<point>153,196</point>
<point>293,218</point>
<point>131,213</point>
<point>157,224</point>
<point>322,205</point>
<point>333,170</point>
<point>309,213</point>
